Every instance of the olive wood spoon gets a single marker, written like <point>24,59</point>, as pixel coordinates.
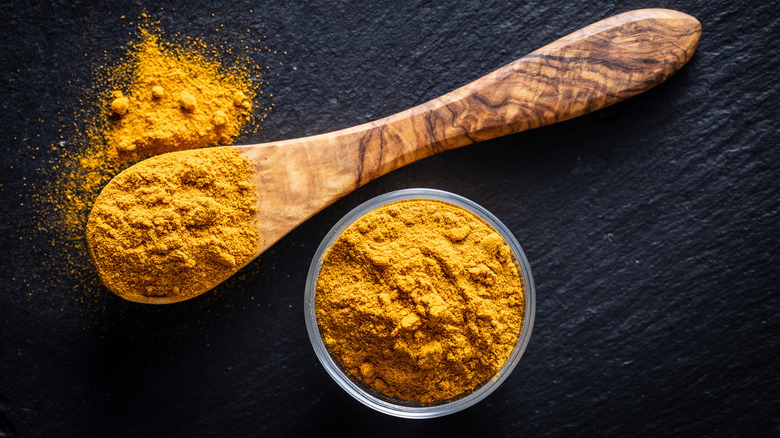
<point>590,69</point>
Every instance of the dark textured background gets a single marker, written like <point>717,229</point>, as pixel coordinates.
<point>651,228</point>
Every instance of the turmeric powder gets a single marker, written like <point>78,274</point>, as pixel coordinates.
<point>174,224</point>
<point>421,300</point>
<point>177,100</point>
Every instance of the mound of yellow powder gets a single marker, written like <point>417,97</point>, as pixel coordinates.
<point>174,225</point>
<point>176,100</point>
<point>420,300</point>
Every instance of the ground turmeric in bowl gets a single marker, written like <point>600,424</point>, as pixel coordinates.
<point>420,300</point>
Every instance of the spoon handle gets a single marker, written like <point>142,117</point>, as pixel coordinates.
<point>592,68</point>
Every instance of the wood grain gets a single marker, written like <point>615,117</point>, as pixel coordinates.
<point>592,68</point>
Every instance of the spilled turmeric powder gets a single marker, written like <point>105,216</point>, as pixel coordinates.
<point>421,300</point>
<point>174,225</point>
<point>177,99</point>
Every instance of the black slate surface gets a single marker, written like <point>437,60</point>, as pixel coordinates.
<point>651,228</point>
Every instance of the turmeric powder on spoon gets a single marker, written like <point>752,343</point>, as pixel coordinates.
<point>171,226</point>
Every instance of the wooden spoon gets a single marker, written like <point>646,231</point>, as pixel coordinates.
<point>592,68</point>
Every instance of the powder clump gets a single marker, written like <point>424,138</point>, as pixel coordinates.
<point>420,300</point>
<point>175,224</point>
<point>120,105</point>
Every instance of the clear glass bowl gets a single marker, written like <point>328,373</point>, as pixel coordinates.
<point>374,399</point>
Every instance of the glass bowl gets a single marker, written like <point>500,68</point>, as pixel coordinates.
<point>361,391</point>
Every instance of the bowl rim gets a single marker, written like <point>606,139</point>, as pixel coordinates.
<point>352,388</point>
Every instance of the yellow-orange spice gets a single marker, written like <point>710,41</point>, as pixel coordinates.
<point>420,300</point>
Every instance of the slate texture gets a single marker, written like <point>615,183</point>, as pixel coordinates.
<point>651,228</point>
